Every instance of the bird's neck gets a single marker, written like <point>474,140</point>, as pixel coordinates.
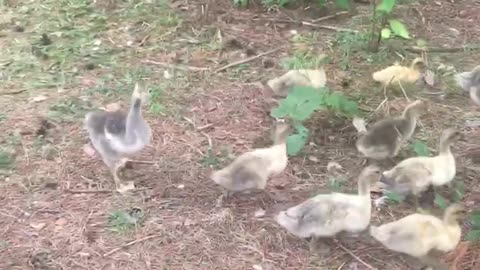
<point>363,188</point>
<point>133,117</point>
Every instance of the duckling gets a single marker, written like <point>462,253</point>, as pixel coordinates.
<point>251,170</point>
<point>116,134</point>
<point>470,82</point>
<point>398,73</point>
<point>299,77</point>
<point>419,235</point>
<point>385,138</point>
<point>325,215</point>
<point>415,175</point>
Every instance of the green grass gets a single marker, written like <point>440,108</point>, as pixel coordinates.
<point>78,37</point>
<point>7,161</point>
<point>304,60</point>
<point>69,109</point>
<point>121,221</point>
<point>214,161</point>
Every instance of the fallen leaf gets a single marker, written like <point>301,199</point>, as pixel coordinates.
<point>61,222</point>
<point>359,124</point>
<point>259,213</point>
<point>181,186</point>
<point>39,98</point>
<point>429,77</point>
<point>257,267</point>
<point>167,75</point>
<point>38,226</point>
<point>313,158</point>
<point>89,150</point>
<point>333,166</point>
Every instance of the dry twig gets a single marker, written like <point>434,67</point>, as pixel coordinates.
<point>78,191</point>
<point>13,92</point>
<point>355,256</point>
<point>442,50</point>
<point>329,16</point>
<point>328,27</point>
<point>131,244</point>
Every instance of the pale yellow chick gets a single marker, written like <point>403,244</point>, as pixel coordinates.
<point>419,234</point>
<point>398,73</point>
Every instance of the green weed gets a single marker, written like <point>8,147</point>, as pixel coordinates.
<point>336,184</point>
<point>70,109</point>
<point>214,161</point>
<point>303,60</point>
<point>121,221</point>
<point>349,44</point>
<point>7,160</point>
<point>301,103</point>
<point>421,149</point>
<point>474,234</point>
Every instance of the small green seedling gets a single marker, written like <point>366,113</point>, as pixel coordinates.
<point>299,106</point>
<point>121,221</point>
<point>474,234</point>
<point>421,149</point>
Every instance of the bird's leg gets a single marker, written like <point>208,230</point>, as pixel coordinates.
<point>364,162</point>
<point>121,188</point>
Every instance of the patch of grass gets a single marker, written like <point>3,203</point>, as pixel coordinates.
<point>336,184</point>
<point>121,221</point>
<point>7,160</point>
<point>214,161</point>
<point>350,43</point>
<point>3,117</point>
<point>78,36</point>
<point>303,60</point>
<point>69,110</point>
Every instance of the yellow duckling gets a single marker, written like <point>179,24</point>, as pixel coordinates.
<point>397,73</point>
<point>325,215</point>
<point>419,234</point>
<point>414,175</point>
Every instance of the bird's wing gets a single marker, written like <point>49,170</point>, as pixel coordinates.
<point>415,174</point>
<point>245,172</point>
<point>116,123</point>
<point>322,211</point>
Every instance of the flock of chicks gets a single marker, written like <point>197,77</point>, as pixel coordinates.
<point>117,134</point>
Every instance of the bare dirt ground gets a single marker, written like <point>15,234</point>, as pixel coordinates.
<point>57,203</point>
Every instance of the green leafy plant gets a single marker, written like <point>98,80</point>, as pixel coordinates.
<point>440,201</point>
<point>241,3</point>
<point>474,233</point>
<point>345,4</point>
<point>459,191</point>
<point>301,103</point>
<point>394,197</point>
<point>336,184</point>
<point>421,149</point>
<point>384,26</point>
